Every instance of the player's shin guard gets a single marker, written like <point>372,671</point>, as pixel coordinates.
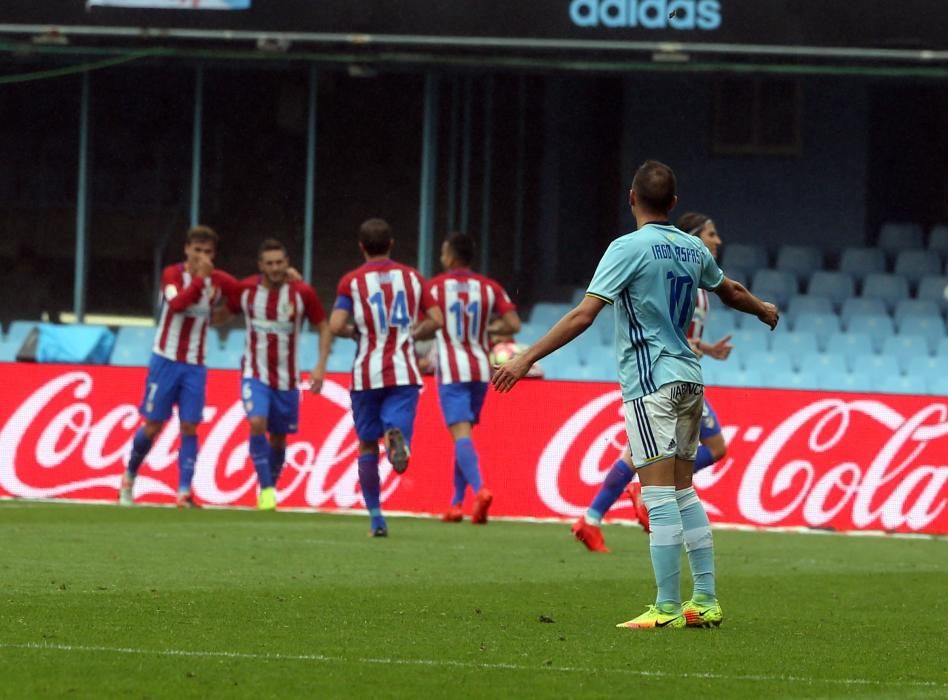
<point>698,541</point>
<point>466,457</point>
<point>260,456</point>
<point>665,542</point>
<point>277,460</point>
<point>616,480</point>
<point>187,457</point>
<point>460,486</point>
<point>704,458</point>
<point>371,487</point>
<point>140,447</point>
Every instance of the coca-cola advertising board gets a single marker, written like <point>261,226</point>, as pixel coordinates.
<point>795,458</point>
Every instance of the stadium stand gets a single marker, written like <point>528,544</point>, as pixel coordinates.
<point>133,346</point>
<point>835,286</point>
<point>743,256</point>
<point>898,236</point>
<point>860,262</point>
<point>938,240</point>
<point>800,261</point>
<point>913,265</point>
<point>890,289</point>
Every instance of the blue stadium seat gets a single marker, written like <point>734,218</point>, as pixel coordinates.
<point>860,262</point>
<point>341,356</point>
<point>308,349</point>
<point>577,296</point>
<point>891,289</point>
<point>902,384</point>
<point>915,264</point>
<point>8,351</point>
<point>720,323</point>
<point>236,340</point>
<point>915,307</point>
<point>906,349</point>
<point>220,358</point>
<point>774,286</point>
<point>860,306</point>
<point>604,327</point>
<point>835,286</point>
<point>938,240</point>
<point>743,256</point>
<point>532,332</point>
<point>807,302</point>
<point>820,325</point>
<point>562,364</point>
<point>939,387</point>
<point>547,313</point>
<point>848,382</point>
<point>850,346</point>
<point>942,349</point>
<point>877,327</point>
<point>19,330</point>
<point>897,236</point>
<point>738,274</point>
<point>934,289</point>
<point>788,379</point>
<point>769,362</point>
<point>133,346</point>
<point>799,260</point>
<point>598,372</point>
<point>797,343</point>
<point>823,364</point>
<point>214,337</point>
<point>732,375</point>
<point>876,367</point>
<point>746,342</point>
<point>591,350</point>
<point>931,328</point>
<point>930,368</point>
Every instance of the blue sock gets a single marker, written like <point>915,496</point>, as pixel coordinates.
<point>187,456</point>
<point>466,457</point>
<point>371,488</point>
<point>617,479</point>
<point>704,458</point>
<point>260,456</point>
<point>665,543</point>
<point>277,459</point>
<point>460,485</point>
<point>140,447</point>
<point>698,542</point>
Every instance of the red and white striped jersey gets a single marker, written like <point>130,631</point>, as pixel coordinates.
<point>274,319</point>
<point>186,303</point>
<point>385,298</point>
<point>468,301</point>
<point>700,316</point>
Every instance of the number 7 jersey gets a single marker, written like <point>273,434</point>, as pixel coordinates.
<point>385,299</point>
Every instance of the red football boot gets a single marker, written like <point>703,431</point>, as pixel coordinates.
<point>482,502</point>
<point>589,535</point>
<point>453,514</point>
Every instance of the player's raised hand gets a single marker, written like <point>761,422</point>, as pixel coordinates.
<point>510,373</point>
<point>721,349</point>
<point>316,378</point>
<point>293,275</point>
<point>769,315</point>
<point>203,266</point>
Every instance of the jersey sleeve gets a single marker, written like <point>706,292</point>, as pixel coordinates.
<point>312,306</point>
<point>344,298</point>
<point>711,275</point>
<point>613,273</point>
<point>502,302</point>
<point>176,295</point>
<point>428,299</point>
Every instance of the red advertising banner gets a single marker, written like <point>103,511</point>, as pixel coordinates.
<point>795,458</point>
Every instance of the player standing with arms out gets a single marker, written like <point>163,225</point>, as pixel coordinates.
<point>177,373</point>
<point>712,448</point>
<point>650,276</point>
<point>378,305</point>
<point>274,307</point>
<point>468,302</point>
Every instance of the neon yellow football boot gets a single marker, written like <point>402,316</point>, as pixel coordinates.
<point>655,617</point>
<point>702,611</point>
<point>267,500</point>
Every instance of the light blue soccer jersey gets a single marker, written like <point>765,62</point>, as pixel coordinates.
<point>651,277</point>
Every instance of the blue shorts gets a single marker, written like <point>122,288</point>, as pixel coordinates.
<point>376,410</point>
<point>170,382</point>
<point>709,422</point>
<point>281,407</point>
<point>462,401</point>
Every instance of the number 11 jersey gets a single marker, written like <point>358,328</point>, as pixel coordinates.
<point>385,299</point>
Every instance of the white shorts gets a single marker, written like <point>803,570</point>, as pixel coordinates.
<point>665,423</point>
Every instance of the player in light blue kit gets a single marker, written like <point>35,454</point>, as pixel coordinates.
<point>651,278</point>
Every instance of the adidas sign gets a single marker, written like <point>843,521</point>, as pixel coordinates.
<point>647,14</point>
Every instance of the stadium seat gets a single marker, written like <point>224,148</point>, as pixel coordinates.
<point>738,274</point>
<point>848,382</point>
<point>876,367</point>
<point>532,332</point>
<point>774,286</point>
<point>807,302</point>
<point>906,349</point>
<point>577,296</point>
<point>938,240</point>
<point>743,256</point>
<point>788,379</point>
<point>931,328</point>
<point>934,289</point>
<point>891,289</point>
<point>860,262</point>
<point>915,264</point>
<point>877,327</point>
<point>799,260</point>
<point>341,356</point>
<point>915,307</point>
<point>591,350</point>
<point>903,384</point>
<point>562,364</point>
<point>930,368</point>
<point>720,323</point>
<point>850,345</point>
<point>835,286</point>
<point>732,375</point>
<point>797,343</point>
<point>133,346</point>
<point>547,313</point>
<point>746,342</point>
<point>942,349</point>
<point>598,372</point>
<point>308,350</point>
<point>604,327</point>
<point>19,330</point>
<point>8,351</point>
<point>939,387</point>
<point>820,325</point>
<point>898,236</point>
<point>235,340</point>
<point>823,364</point>
<point>768,362</point>
<point>860,306</point>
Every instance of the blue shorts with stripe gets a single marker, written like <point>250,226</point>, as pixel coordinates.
<point>461,402</point>
<point>281,407</point>
<point>376,410</point>
<point>171,382</point>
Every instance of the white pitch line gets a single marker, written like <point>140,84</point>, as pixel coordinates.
<point>448,663</point>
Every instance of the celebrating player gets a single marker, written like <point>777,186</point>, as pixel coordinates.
<point>712,448</point>
<point>651,277</point>
<point>274,307</point>
<point>176,372</point>
<point>468,302</point>
<point>378,304</point>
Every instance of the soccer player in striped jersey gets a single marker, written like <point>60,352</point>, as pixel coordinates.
<point>712,448</point>
<point>473,306</point>
<point>275,307</point>
<point>384,306</point>
<point>177,373</point>
<point>649,277</point>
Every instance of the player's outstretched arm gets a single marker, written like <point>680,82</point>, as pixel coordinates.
<point>339,324</point>
<point>325,347</point>
<point>431,324</point>
<point>563,331</point>
<point>736,295</point>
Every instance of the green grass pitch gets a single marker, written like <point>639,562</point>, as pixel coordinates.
<point>99,602</point>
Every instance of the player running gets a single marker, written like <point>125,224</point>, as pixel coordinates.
<point>378,304</point>
<point>274,306</point>
<point>712,448</point>
<point>468,302</point>
<point>177,374</point>
<point>650,276</point>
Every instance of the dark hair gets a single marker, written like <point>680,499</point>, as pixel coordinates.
<point>270,244</point>
<point>462,245</point>
<point>201,234</point>
<point>692,222</point>
<point>375,235</point>
<point>655,186</point>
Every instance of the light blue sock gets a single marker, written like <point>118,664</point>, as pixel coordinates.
<point>703,459</point>
<point>187,457</point>
<point>698,541</point>
<point>371,488</point>
<point>616,480</point>
<point>277,460</point>
<point>260,456</point>
<point>460,485</point>
<point>665,543</point>
<point>140,447</point>
<point>466,457</point>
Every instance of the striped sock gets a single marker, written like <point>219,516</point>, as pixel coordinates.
<point>665,543</point>
<point>698,541</point>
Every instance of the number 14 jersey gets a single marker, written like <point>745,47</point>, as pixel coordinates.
<point>385,299</point>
